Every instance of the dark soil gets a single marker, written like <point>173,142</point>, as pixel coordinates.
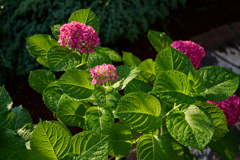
<point>182,23</point>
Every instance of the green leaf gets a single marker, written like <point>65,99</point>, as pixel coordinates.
<point>106,96</point>
<point>181,152</point>
<point>159,40</point>
<point>219,120</point>
<point>98,118</point>
<point>119,139</point>
<point>140,111</point>
<point>227,147</point>
<point>197,82</point>
<point>38,46</point>
<point>148,71</point>
<point>191,126</point>
<point>165,106</point>
<point>125,73</point>
<point>173,86</point>
<point>50,141</point>
<point>23,154</point>
<point>87,17</point>
<point>90,144</point>
<point>98,58</point>
<point>26,131</point>
<point>51,96</point>
<point>20,117</point>
<point>40,79</point>
<point>10,143</point>
<point>75,83</point>
<point>137,85</point>
<point>71,112</point>
<point>130,59</point>
<point>154,147</point>
<point>220,83</point>
<point>74,157</point>
<point>56,30</point>
<point>6,114</point>
<point>61,58</point>
<point>172,59</point>
<point>5,100</point>
<point>114,56</point>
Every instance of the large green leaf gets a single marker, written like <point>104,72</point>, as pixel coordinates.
<point>173,86</point>
<point>23,154</point>
<point>98,118</point>
<point>56,30</point>
<point>90,144</point>
<point>106,96</point>
<point>71,112</point>
<point>227,147</point>
<point>154,147</point>
<point>140,111</point>
<point>50,141</point>
<point>172,59</point>
<point>20,117</point>
<point>159,40</point>
<point>61,58</point>
<point>38,46</point>
<point>220,83</point>
<point>125,73</point>
<point>76,84</point>
<point>98,58</point>
<point>85,16</point>
<point>137,85</point>
<point>10,143</point>
<point>51,96</point>
<point>40,79</point>
<point>130,59</point>
<point>6,114</point>
<point>119,139</point>
<point>114,56</point>
<point>219,120</point>
<point>148,71</point>
<point>191,126</point>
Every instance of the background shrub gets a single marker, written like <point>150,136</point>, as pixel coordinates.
<point>23,18</point>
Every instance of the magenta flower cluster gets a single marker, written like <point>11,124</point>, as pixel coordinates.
<point>101,74</point>
<point>193,51</point>
<point>79,36</point>
<point>230,108</point>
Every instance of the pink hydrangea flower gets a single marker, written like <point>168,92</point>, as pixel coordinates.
<point>193,51</point>
<point>79,36</point>
<point>101,74</point>
<point>230,108</point>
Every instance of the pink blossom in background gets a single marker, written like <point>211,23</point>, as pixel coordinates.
<point>101,74</point>
<point>79,36</point>
<point>193,51</point>
<point>230,107</point>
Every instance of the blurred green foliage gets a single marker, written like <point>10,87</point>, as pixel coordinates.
<point>20,19</point>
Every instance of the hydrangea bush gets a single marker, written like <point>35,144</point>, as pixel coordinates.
<point>162,110</point>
